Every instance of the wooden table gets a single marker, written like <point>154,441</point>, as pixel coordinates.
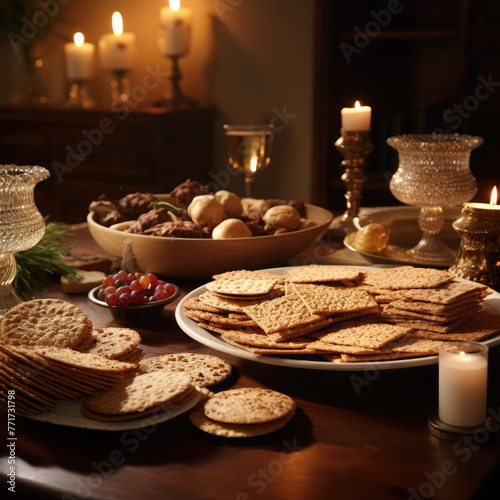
<point>356,435</point>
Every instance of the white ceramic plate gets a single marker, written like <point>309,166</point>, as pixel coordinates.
<point>492,303</point>
<point>68,413</point>
<point>405,234</point>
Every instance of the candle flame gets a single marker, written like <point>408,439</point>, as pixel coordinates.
<point>117,23</point>
<point>357,104</point>
<point>175,4</point>
<point>79,39</point>
<point>494,196</point>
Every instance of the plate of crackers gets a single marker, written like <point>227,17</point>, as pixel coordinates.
<point>328,317</point>
<point>57,367</point>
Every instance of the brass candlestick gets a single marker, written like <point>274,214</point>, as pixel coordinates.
<point>355,148</point>
<point>175,99</point>
<point>478,256</point>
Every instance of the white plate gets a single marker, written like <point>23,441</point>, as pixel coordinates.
<point>492,304</point>
<point>68,413</point>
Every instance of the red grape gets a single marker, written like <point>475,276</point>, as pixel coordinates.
<point>109,289</point>
<point>137,297</point>
<point>123,289</point>
<point>121,275</point>
<point>153,280</point>
<point>108,281</point>
<point>112,299</point>
<point>125,299</point>
<point>170,289</point>
<point>135,285</point>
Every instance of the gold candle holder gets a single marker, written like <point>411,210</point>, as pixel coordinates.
<point>478,256</point>
<point>355,146</point>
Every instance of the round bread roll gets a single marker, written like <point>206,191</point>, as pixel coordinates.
<point>283,216</point>
<point>230,202</point>
<point>205,210</point>
<point>231,228</point>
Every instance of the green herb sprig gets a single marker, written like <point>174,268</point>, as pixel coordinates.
<point>37,265</point>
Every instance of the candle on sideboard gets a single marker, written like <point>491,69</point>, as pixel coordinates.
<point>79,58</point>
<point>463,381</point>
<point>117,49</point>
<point>175,25</point>
<point>356,119</point>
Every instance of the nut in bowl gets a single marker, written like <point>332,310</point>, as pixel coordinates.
<point>202,256</point>
<point>134,299</point>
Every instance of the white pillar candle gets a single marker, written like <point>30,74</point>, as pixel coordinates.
<point>463,381</point>
<point>175,26</point>
<point>117,49</point>
<point>79,58</point>
<point>356,119</point>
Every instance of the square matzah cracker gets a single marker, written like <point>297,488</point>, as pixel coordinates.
<point>363,332</point>
<point>323,299</point>
<point>445,294</point>
<point>281,314</point>
<point>241,287</point>
<point>476,329</point>
<point>396,278</point>
<point>316,273</point>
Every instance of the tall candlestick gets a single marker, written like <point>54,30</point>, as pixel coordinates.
<point>463,380</point>
<point>79,58</point>
<point>356,119</point>
<point>175,25</point>
<point>118,49</point>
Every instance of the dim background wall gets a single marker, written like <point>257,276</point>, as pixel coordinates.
<point>251,59</point>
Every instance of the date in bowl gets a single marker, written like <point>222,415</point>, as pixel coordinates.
<point>201,258</point>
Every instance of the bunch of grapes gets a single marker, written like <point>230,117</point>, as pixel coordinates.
<point>128,289</point>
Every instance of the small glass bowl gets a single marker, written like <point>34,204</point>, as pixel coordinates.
<point>134,315</point>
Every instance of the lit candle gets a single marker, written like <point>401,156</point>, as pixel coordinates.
<point>485,206</point>
<point>463,380</point>
<point>117,49</point>
<point>356,119</point>
<point>175,23</point>
<point>79,58</point>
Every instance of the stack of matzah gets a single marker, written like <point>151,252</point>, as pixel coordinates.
<point>341,313</point>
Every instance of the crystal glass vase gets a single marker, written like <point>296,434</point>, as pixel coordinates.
<point>21,224</point>
<point>433,173</point>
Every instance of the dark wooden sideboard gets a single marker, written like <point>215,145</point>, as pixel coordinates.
<point>91,152</point>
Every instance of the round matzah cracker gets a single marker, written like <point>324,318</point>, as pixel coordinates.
<point>201,421</point>
<point>46,322</point>
<point>139,393</point>
<point>113,342</point>
<point>204,369</point>
<point>248,405</point>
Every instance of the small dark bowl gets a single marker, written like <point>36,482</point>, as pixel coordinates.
<point>134,315</point>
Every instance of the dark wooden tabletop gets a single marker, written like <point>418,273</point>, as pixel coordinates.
<point>356,435</point>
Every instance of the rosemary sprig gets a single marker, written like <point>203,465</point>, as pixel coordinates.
<point>37,265</point>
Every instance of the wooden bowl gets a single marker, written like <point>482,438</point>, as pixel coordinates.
<point>200,258</point>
